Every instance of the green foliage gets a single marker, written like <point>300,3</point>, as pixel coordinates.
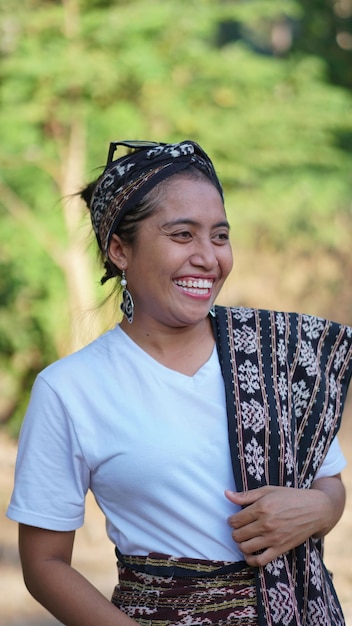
<point>326,31</point>
<point>75,75</point>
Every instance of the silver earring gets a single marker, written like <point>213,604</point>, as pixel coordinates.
<point>127,304</point>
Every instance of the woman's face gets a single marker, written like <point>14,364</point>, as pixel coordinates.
<point>181,257</point>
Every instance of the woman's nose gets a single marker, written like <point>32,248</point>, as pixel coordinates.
<point>204,255</point>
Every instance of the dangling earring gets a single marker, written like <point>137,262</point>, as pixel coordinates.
<point>127,304</point>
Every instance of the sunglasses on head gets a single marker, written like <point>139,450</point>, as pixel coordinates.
<point>133,145</point>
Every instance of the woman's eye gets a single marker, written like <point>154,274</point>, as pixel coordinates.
<point>184,234</point>
<point>222,237</point>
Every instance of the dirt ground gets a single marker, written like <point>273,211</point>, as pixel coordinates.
<point>94,555</point>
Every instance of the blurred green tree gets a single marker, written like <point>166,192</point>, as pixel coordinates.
<point>325,31</point>
<point>76,74</point>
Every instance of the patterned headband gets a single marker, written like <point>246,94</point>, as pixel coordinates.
<point>127,180</point>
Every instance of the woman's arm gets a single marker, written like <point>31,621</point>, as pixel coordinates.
<point>277,519</point>
<point>334,490</point>
<point>64,592</point>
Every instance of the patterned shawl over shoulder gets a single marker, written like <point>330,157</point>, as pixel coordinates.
<point>286,378</point>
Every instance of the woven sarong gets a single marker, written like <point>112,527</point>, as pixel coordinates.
<point>158,590</point>
<point>286,378</point>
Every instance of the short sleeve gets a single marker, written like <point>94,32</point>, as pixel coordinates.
<point>51,475</point>
<point>334,461</point>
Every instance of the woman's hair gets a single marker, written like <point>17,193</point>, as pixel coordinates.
<point>128,227</point>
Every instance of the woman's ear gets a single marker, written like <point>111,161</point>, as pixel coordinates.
<point>117,252</point>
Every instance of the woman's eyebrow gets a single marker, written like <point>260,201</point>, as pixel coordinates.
<point>184,220</point>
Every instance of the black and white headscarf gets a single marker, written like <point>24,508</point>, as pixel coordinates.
<point>127,180</point>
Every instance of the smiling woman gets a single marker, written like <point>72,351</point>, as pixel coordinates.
<point>206,434</point>
<point>178,266</point>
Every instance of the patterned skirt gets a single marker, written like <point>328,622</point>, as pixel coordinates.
<point>159,590</point>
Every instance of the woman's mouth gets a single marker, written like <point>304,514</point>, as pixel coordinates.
<point>198,286</point>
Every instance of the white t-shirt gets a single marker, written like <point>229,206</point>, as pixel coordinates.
<point>150,442</point>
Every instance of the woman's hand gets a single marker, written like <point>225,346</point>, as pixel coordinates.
<point>277,519</point>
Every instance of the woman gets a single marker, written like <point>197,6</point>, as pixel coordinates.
<point>207,434</point>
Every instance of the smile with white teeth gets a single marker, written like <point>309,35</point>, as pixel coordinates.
<point>199,286</point>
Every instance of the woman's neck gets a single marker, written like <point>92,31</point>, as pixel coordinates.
<point>184,349</point>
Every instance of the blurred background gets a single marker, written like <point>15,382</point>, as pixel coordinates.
<point>264,86</point>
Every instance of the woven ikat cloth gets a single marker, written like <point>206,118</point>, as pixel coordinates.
<point>286,378</point>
